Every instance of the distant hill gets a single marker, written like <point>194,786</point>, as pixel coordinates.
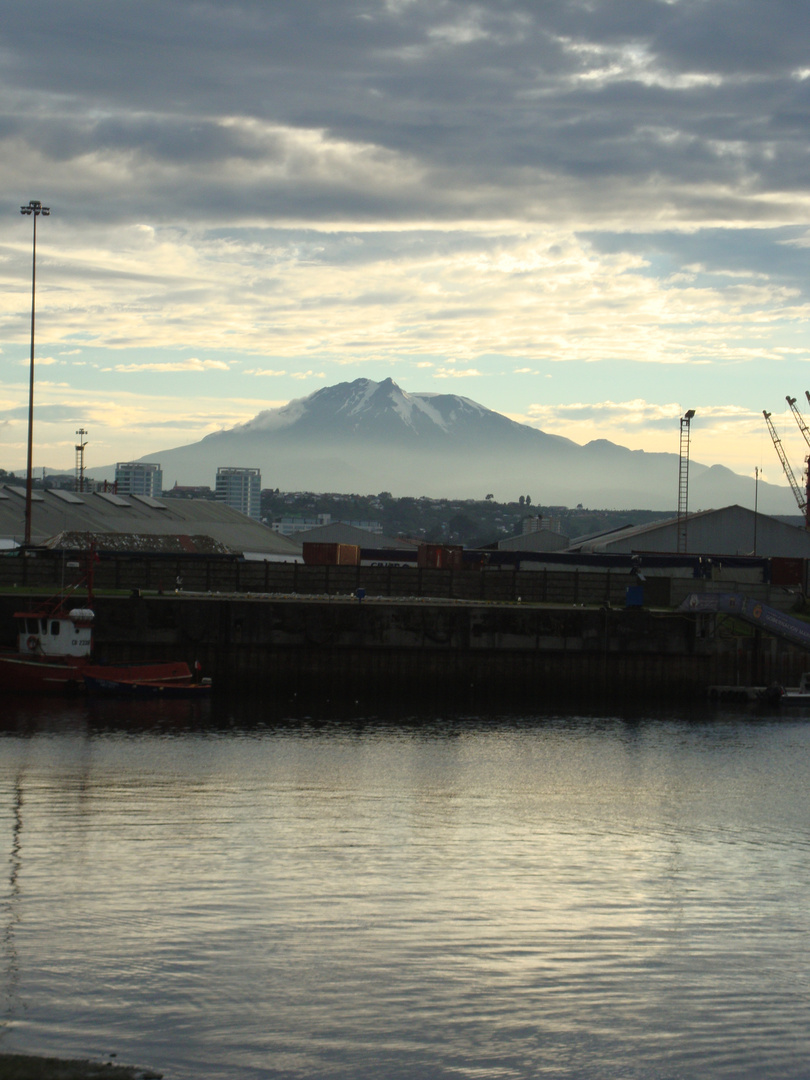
<point>366,436</point>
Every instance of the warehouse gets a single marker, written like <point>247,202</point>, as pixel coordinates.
<point>67,519</point>
<point>536,540</point>
<point>340,532</point>
<point>732,531</point>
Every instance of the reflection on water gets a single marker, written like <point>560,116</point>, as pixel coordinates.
<point>225,891</point>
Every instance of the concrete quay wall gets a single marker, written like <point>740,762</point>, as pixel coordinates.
<point>543,652</point>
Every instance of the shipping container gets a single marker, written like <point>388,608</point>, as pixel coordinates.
<point>331,554</point>
<point>787,572</point>
<point>439,556</point>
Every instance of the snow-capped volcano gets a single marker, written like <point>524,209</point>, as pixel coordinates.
<point>365,436</point>
<point>373,408</point>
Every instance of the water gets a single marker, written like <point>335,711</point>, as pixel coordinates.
<point>238,895</point>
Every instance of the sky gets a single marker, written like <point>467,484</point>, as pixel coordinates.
<point>588,215</point>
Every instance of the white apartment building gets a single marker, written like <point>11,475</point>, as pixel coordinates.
<point>240,489</point>
<point>138,478</point>
<point>290,525</point>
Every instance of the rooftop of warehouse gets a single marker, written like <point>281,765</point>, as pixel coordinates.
<point>56,513</point>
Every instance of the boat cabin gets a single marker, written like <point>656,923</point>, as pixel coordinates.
<point>55,633</point>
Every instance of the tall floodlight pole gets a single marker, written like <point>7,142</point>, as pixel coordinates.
<point>683,481</point>
<point>80,458</point>
<point>34,209</point>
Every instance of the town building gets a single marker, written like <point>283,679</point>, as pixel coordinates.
<point>345,532</point>
<point>188,491</point>
<point>138,478</point>
<point>289,526</point>
<point>240,489</point>
<point>539,523</point>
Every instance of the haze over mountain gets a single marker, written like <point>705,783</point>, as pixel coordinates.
<point>366,437</point>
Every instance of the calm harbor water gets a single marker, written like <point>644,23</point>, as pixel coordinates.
<point>236,894</point>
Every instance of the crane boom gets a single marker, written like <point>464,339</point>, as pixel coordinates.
<point>799,418</point>
<point>777,442</point>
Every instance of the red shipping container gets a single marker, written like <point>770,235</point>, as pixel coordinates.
<point>439,556</point>
<point>787,571</point>
<point>331,554</point>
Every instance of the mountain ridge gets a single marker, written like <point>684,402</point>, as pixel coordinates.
<point>367,436</point>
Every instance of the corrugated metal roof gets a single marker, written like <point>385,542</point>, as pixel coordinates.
<point>537,540</point>
<point>730,531</point>
<point>52,516</point>
<point>132,543</point>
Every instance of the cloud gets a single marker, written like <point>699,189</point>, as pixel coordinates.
<point>636,413</point>
<point>192,364</point>
<point>475,189</point>
<point>417,112</point>
<point>45,413</point>
<point>194,424</point>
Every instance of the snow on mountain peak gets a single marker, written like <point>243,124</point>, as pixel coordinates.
<point>274,419</point>
<point>365,401</point>
<point>366,398</point>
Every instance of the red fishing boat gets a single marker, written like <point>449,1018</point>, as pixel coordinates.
<point>53,645</point>
<point>54,652</point>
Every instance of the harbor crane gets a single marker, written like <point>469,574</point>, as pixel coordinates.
<point>801,498</point>
<point>806,433</point>
<point>798,417</point>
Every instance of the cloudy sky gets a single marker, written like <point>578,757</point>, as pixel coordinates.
<point>590,215</point>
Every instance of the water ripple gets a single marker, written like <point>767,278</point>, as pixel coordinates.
<point>570,898</point>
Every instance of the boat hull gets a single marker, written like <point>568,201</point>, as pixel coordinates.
<point>131,688</point>
<point>169,671</point>
<point>21,674</point>
<point>37,675</point>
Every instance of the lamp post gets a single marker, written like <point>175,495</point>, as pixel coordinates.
<point>34,209</point>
